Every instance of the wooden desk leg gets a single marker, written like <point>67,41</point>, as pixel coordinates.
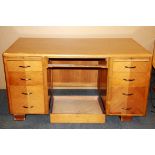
<point>125,118</point>
<point>19,117</point>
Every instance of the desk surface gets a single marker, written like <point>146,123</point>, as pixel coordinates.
<point>77,47</point>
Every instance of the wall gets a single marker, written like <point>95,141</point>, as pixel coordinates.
<point>7,36</point>
<point>144,35</point>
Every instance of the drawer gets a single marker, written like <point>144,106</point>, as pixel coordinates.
<point>128,79</point>
<point>76,109</point>
<point>131,66</point>
<point>25,78</point>
<point>130,100</point>
<point>22,66</point>
<point>27,100</point>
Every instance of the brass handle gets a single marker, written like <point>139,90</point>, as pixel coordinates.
<point>127,108</point>
<point>129,94</point>
<point>24,66</point>
<point>129,79</point>
<point>25,79</point>
<point>27,107</point>
<point>27,93</point>
<point>130,66</point>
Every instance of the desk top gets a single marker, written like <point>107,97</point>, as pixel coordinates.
<point>77,48</point>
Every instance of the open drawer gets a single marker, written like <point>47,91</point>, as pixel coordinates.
<point>77,109</point>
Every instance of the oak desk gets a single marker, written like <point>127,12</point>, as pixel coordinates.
<point>122,71</point>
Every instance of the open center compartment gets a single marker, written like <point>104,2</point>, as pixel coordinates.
<point>78,104</point>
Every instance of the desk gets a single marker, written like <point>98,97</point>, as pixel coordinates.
<point>121,68</point>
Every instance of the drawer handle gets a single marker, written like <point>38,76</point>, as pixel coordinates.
<point>127,108</point>
<point>27,93</point>
<point>129,94</point>
<point>129,79</point>
<point>24,66</point>
<point>130,67</point>
<point>26,107</point>
<point>25,79</point>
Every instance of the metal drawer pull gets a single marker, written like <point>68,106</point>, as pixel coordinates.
<point>26,79</point>
<point>24,66</point>
<point>127,108</point>
<point>130,66</point>
<point>127,94</point>
<point>27,93</point>
<point>28,107</point>
<point>129,79</point>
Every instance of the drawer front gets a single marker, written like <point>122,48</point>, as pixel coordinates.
<point>22,66</point>
<point>77,118</point>
<point>129,79</point>
<point>130,100</point>
<point>27,99</point>
<point>25,78</point>
<point>131,66</point>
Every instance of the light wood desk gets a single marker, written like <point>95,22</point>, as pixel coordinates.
<point>121,66</point>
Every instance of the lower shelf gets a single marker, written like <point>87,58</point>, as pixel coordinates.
<point>77,109</point>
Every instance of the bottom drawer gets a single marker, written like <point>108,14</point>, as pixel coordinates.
<point>76,109</point>
<point>27,99</point>
<point>131,101</point>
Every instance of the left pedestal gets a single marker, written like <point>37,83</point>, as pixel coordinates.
<point>26,79</point>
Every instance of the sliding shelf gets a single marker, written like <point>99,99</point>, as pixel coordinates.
<point>75,66</point>
<point>78,63</point>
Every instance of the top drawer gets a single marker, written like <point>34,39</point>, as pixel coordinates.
<point>22,66</point>
<point>131,66</point>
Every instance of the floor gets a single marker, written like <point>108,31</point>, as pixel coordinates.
<point>43,121</point>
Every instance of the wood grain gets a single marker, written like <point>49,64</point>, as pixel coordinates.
<point>77,118</point>
<point>131,66</point>
<point>33,103</point>
<point>153,59</point>
<point>19,117</point>
<point>130,79</point>
<point>125,118</point>
<point>126,59</point>
<point>77,48</point>
<point>76,109</point>
<point>26,78</point>
<point>75,77</point>
<point>23,66</point>
<point>20,104</point>
<point>128,98</point>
